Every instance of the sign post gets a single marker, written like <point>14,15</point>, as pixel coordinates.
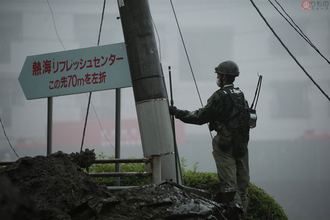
<point>49,125</point>
<point>117,134</point>
<point>72,72</point>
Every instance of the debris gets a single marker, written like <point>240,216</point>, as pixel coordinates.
<point>57,187</point>
<point>60,189</point>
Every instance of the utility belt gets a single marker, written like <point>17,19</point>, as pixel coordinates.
<point>242,131</point>
<point>232,139</point>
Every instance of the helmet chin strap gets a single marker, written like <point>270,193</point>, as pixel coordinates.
<point>221,81</point>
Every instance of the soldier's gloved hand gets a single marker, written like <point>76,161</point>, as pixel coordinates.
<point>173,110</point>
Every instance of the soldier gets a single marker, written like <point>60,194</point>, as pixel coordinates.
<point>226,112</point>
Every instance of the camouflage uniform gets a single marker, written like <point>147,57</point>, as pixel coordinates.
<point>230,144</point>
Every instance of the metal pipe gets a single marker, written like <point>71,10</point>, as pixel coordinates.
<point>117,135</point>
<point>121,174</point>
<point>117,188</point>
<point>135,160</point>
<point>49,125</point>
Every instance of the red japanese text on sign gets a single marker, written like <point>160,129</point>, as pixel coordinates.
<point>74,81</point>
<point>49,66</point>
<point>75,71</point>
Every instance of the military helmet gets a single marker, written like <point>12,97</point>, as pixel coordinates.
<point>227,68</point>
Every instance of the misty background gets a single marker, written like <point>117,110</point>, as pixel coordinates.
<point>289,148</point>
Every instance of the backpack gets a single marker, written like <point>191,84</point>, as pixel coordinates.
<point>236,132</point>
<point>241,120</point>
<point>239,123</point>
<point>246,110</point>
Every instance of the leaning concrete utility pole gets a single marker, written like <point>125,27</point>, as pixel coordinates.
<point>148,85</point>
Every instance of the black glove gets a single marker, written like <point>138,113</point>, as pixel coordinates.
<point>173,110</point>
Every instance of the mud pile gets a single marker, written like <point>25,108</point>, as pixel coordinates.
<point>56,187</point>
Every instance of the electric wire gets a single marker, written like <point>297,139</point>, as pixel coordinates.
<point>98,42</point>
<point>293,24</point>
<point>185,49</point>
<point>191,69</point>
<point>297,28</point>
<point>102,129</point>
<point>51,10</point>
<point>4,131</point>
<point>102,17</point>
<point>3,128</point>
<point>90,94</point>
<point>285,47</point>
<point>86,119</point>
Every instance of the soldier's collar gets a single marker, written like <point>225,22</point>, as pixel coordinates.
<point>228,85</point>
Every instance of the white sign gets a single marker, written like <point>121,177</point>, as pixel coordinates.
<point>75,71</point>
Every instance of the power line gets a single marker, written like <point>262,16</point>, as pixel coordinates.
<point>85,125</point>
<point>89,101</point>
<point>55,25</point>
<point>90,94</point>
<point>4,131</point>
<point>297,28</point>
<point>102,129</point>
<point>278,38</point>
<point>99,38</point>
<point>185,49</point>
<point>191,70</point>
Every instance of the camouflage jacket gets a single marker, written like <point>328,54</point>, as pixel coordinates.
<point>217,111</point>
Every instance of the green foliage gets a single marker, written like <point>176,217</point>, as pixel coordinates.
<point>126,167</point>
<point>261,206</point>
<point>192,178</point>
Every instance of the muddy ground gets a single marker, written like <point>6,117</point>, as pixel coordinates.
<point>56,187</point>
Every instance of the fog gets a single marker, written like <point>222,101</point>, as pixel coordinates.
<point>289,148</point>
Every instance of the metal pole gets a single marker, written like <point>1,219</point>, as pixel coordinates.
<point>49,125</point>
<point>117,134</point>
<point>177,158</point>
<point>148,84</point>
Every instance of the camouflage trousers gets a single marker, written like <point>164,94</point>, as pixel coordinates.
<point>232,172</point>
